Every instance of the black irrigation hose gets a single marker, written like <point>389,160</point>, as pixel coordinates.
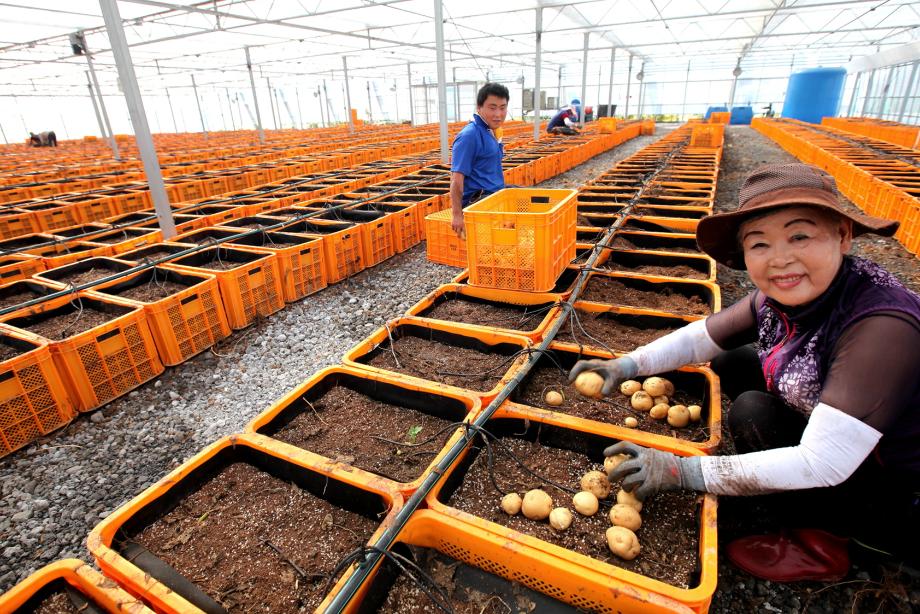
<point>197,248</point>
<point>388,537</point>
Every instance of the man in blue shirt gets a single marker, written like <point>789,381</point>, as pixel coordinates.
<point>476,157</point>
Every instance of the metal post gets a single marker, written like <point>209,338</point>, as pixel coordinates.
<point>322,114</point>
<point>171,112</point>
<point>642,92</point>
<point>3,132</point>
<point>279,98</point>
<point>909,90</point>
<point>92,96</point>
<point>880,112</point>
<point>230,104</point>
<point>628,86</point>
<point>597,99</point>
<point>299,108</point>
<point>255,99</point>
<point>370,108</point>
<point>613,59</point>
<point>853,93</point>
<point>442,77</point>
<point>456,96</point>
<point>105,114</point>
<point>683,106</point>
<point>271,102</point>
<point>865,107</point>
<point>427,102</point>
<point>351,121</point>
<point>411,101</point>
<point>538,67</point>
<point>204,128</point>
<point>330,114</point>
<point>584,81</point>
<point>138,116</point>
<point>559,88</point>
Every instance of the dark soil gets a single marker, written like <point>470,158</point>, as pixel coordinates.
<point>85,277</point>
<point>16,299</point>
<point>152,291</point>
<point>152,254</point>
<point>615,292</point>
<point>226,538</point>
<point>456,309</point>
<point>612,410</point>
<point>219,265</point>
<point>8,352</point>
<point>670,522</point>
<point>55,603</point>
<point>681,271</point>
<point>624,243</point>
<point>67,325</point>
<point>595,329</point>
<point>406,597</point>
<point>443,363</point>
<point>349,427</point>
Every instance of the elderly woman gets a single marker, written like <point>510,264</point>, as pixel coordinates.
<point>828,400</point>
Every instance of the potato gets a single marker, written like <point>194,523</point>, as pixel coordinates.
<point>554,398</point>
<point>585,503</point>
<point>630,387</point>
<point>661,399</point>
<point>537,504</point>
<point>659,412</point>
<point>612,462</point>
<point>560,518</point>
<point>596,483</point>
<point>589,384</point>
<point>696,412</point>
<point>678,416</point>
<point>668,387</point>
<point>630,422</point>
<point>626,497</point>
<point>511,503</point>
<point>641,401</point>
<point>622,515</point>
<point>623,543</point>
<point>655,386</point>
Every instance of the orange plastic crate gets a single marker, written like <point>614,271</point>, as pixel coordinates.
<point>183,324</point>
<point>707,135</point>
<point>300,259</point>
<point>71,575</point>
<point>578,579</point>
<point>520,239</point>
<point>17,223</point>
<point>33,400</point>
<point>103,362</point>
<point>405,222</point>
<point>343,246</point>
<point>442,243</point>
<point>250,289</point>
<point>20,266</point>
<point>350,489</point>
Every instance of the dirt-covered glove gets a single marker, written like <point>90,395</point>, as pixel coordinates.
<point>614,371</point>
<point>649,471</point>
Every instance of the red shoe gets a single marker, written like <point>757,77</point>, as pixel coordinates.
<point>792,556</point>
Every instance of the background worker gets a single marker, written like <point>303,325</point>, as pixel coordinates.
<point>476,155</point>
<point>825,408</point>
<point>565,121</point>
<point>43,139</point>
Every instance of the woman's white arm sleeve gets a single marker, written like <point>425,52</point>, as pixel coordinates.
<point>690,344</point>
<point>833,446</point>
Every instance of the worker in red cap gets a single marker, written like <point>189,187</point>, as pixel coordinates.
<point>821,362</point>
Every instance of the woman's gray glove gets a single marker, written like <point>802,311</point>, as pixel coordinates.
<point>649,471</point>
<point>614,371</point>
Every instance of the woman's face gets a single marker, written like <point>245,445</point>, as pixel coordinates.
<point>793,254</point>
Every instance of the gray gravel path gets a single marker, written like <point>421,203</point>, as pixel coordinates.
<point>54,491</point>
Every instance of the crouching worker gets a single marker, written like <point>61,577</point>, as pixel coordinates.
<point>477,152</point>
<point>43,139</point>
<point>565,121</point>
<point>827,407</point>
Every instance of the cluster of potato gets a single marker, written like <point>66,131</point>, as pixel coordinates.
<point>653,395</point>
<point>624,516</point>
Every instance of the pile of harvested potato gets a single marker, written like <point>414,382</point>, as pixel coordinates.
<point>595,487</point>
<point>654,396</point>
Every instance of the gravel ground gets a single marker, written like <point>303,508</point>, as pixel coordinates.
<point>56,490</point>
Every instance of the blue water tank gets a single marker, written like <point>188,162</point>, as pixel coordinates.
<point>814,93</point>
<point>712,110</point>
<point>741,115</point>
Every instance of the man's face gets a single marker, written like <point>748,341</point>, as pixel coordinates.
<point>493,111</point>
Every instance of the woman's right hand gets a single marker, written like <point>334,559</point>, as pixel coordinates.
<point>614,371</point>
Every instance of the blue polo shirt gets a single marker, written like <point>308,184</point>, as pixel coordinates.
<point>477,155</point>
